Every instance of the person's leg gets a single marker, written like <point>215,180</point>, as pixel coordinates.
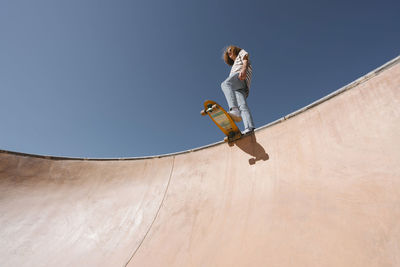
<point>245,111</point>
<point>228,86</point>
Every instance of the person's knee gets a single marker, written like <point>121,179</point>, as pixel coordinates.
<point>243,107</point>
<point>226,85</point>
<point>223,84</point>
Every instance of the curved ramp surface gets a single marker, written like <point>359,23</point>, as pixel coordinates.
<point>320,187</point>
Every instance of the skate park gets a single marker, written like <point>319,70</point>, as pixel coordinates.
<point>318,187</point>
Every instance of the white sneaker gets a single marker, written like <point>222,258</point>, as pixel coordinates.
<point>235,114</point>
<point>248,131</point>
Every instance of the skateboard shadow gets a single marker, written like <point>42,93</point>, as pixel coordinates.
<point>249,145</point>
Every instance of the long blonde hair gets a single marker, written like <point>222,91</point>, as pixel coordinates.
<point>235,51</point>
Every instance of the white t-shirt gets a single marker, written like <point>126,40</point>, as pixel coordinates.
<point>238,64</point>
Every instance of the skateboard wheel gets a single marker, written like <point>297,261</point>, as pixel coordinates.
<point>232,134</point>
<point>226,139</point>
<point>203,112</point>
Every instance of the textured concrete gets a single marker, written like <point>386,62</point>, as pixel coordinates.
<point>320,187</point>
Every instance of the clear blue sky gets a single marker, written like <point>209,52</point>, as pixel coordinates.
<point>86,78</point>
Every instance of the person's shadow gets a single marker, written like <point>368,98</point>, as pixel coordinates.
<point>249,145</point>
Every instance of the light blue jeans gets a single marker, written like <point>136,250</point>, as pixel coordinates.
<point>235,91</point>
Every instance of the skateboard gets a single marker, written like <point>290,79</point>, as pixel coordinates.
<point>222,119</point>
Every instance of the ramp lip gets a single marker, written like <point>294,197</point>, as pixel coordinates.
<point>341,90</point>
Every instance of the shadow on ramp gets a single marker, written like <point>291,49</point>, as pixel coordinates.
<point>249,145</point>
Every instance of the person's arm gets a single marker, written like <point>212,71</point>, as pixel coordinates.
<point>242,74</point>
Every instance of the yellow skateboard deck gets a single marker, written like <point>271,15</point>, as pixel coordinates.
<point>222,119</point>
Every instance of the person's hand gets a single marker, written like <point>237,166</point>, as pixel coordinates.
<point>242,75</point>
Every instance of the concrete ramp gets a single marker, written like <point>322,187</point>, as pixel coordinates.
<point>320,187</point>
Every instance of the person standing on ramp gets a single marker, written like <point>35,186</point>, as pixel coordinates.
<point>236,87</point>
